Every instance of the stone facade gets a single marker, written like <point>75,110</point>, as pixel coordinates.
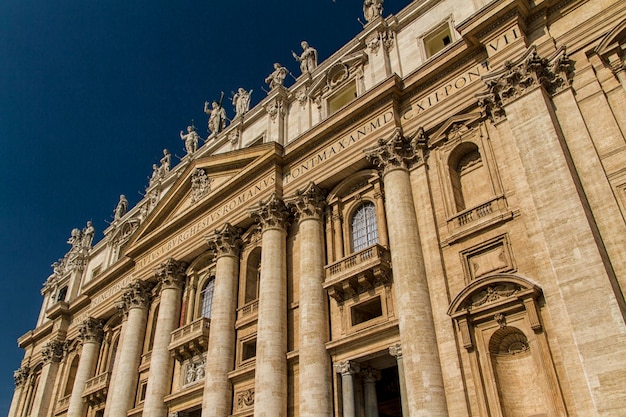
<point>430,222</point>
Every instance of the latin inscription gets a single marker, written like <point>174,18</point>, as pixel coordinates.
<point>112,290</point>
<point>208,220</point>
<point>502,41</point>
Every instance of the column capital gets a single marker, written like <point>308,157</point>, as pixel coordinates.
<point>518,77</point>
<point>171,273</point>
<point>21,375</point>
<point>91,330</point>
<point>137,294</point>
<point>52,352</point>
<point>395,152</point>
<point>225,241</point>
<point>396,350</point>
<point>271,214</point>
<point>370,375</point>
<point>308,203</point>
<point>347,368</point>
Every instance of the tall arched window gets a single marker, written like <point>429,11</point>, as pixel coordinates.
<point>470,182</point>
<point>364,227</point>
<point>71,376</point>
<point>206,295</point>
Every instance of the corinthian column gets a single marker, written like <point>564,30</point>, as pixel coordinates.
<point>314,362</point>
<point>171,275</point>
<point>347,369</point>
<point>216,401</point>
<point>270,380</point>
<point>20,376</point>
<point>52,354</point>
<point>90,334</point>
<point>134,305</point>
<point>424,383</point>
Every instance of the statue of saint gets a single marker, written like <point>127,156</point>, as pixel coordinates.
<point>121,208</point>
<point>277,78</point>
<point>156,175</point>
<point>165,162</point>
<point>191,139</point>
<point>307,59</point>
<point>75,238</point>
<point>88,233</point>
<point>217,116</point>
<point>241,101</point>
<point>372,9</point>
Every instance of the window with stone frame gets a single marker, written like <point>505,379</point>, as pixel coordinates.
<point>71,376</point>
<point>206,297</point>
<point>364,226</point>
<point>437,38</point>
<point>468,177</point>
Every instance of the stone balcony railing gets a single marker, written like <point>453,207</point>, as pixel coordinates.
<point>248,309</point>
<point>190,340</point>
<point>63,404</point>
<point>96,389</point>
<point>359,272</point>
<point>477,217</point>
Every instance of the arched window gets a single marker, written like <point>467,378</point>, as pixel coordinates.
<point>155,316</point>
<point>206,295</point>
<point>71,376</point>
<point>364,227</point>
<point>470,182</point>
<point>253,274</point>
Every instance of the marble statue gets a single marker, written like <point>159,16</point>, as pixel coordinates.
<point>307,59</point>
<point>75,238</point>
<point>191,139</point>
<point>165,162</point>
<point>241,101</point>
<point>156,174</point>
<point>121,208</point>
<point>88,233</point>
<point>217,116</point>
<point>276,78</point>
<point>372,9</point>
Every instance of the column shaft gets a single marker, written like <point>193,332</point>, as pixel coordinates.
<point>347,369</point>
<point>53,353</point>
<point>86,368</point>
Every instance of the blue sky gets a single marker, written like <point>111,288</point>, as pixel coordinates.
<point>92,91</point>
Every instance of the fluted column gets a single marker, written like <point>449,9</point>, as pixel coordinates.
<point>171,275</point>
<point>52,354</point>
<point>314,362</point>
<point>216,401</point>
<point>396,351</point>
<point>424,383</point>
<point>270,380</point>
<point>20,376</point>
<point>134,305</point>
<point>90,334</point>
<point>347,369</point>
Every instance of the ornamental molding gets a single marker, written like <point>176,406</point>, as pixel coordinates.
<point>308,203</point>
<point>200,184</point>
<point>171,274</point>
<point>383,37</point>
<point>225,241</point>
<point>519,77</point>
<point>347,368</point>
<point>395,152</point>
<point>271,214</point>
<point>396,351</point>
<point>21,375</point>
<point>52,352</point>
<point>137,294</point>
<point>91,330</point>
<point>245,399</point>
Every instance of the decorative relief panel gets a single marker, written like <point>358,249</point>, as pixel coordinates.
<point>488,257</point>
<point>193,371</point>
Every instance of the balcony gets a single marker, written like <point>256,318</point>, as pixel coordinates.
<point>96,389</point>
<point>63,404</point>
<point>358,273</point>
<point>476,218</point>
<point>248,309</point>
<point>190,340</point>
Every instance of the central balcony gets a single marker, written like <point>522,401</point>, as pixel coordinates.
<point>190,340</point>
<point>96,389</point>
<point>358,273</point>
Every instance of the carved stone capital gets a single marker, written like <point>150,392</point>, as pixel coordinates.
<point>225,241</point>
<point>370,375</point>
<point>21,375</point>
<point>271,214</point>
<point>52,352</point>
<point>395,152</point>
<point>309,203</point>
<point>396,351</point>
<point>171,274</point>
<point>347,368</point>
<point>91,330</point>
<point>137,294</point>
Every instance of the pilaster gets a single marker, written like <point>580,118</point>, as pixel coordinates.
<point>52,353</point>
<point>21,377</point>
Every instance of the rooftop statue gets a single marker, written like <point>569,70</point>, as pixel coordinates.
<point>165,162</point>
<point>217,116</point>
<point>276,78</point>
<point>241,101</point>
<point>191,139</point>
<point>88,233</point>
<point>372,9</point>
<point>121,208</point>
<point>75,238</point>
<point>307,59</point>
<point>156,175</point>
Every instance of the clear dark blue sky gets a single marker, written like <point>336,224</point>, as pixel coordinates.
<point>92,91</point>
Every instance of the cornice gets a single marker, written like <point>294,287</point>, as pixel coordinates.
<point>108,276</point>
<point>33,336</point>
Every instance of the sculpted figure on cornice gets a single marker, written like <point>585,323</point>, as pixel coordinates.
<point>165,162</point>
<point>191,139</point>
<point>171,273</point>
<point>372,9</point>
<point>308,203</point>
<point>217,116</point>
<point>277,77</point>
<point>521,76</point>
<point>241,101</point>
<point>394,152</point>
<point>52,352</point>
<point>120,209</point>
<point>225,241</point>
<point>21,375</point>
<point>271,214</point>
<point>307,59</point>
<point>136,294</point>
<point>88,234</point>
<point>91,330</point>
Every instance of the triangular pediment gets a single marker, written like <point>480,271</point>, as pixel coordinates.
<point>201,185</point>
<point>454,127</point>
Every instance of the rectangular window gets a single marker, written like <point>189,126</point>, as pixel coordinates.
<point>341,98</point>
<point>248,350</point>
<point>366,311</point>
<point>437,40</point>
